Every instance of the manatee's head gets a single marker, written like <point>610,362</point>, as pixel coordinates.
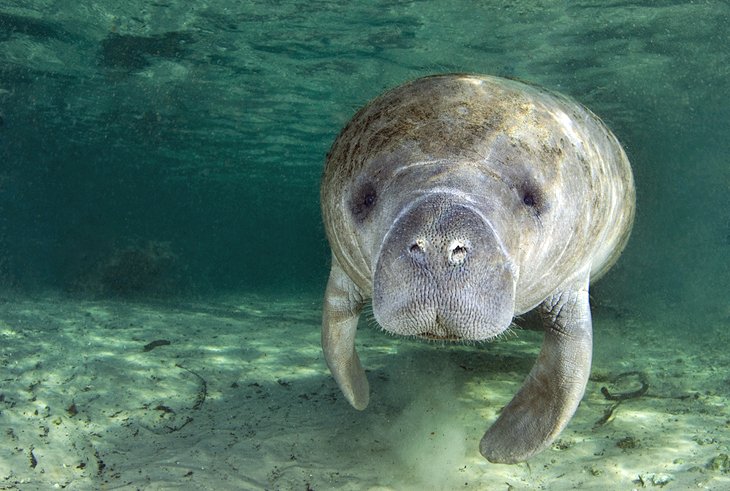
<point>442,272</point>
<point>435,240</point>
<point>431,197</point>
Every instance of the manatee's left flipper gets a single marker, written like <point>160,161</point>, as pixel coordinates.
<point>553,389</point>
<point>343,303</point>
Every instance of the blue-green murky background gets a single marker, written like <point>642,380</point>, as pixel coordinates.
<point>174,148</point>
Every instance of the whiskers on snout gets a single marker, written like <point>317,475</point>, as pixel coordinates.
<point>368,316</point>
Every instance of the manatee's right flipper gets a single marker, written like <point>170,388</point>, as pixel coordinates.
<point>342,305</point>
<point>551,393</point>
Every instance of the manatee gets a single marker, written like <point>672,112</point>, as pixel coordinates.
<point>455,203</point>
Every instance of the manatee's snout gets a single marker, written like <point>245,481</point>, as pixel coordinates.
<point>443,273</point>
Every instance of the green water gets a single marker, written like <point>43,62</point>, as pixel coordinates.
<point>202,127</point>
<point>174,149</point>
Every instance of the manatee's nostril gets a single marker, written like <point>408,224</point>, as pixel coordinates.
<point>457,252</point>
<point>417,249</point>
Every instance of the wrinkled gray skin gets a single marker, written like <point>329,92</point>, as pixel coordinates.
<point>457,202</point>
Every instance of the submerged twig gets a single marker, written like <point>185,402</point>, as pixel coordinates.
<point>622,396</point>
<point>202,393</point>
<point>619,397</point>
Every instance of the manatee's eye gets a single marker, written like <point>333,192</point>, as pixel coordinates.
<point>363,201</point>
<point>533,197</point>
<point>529,199</point>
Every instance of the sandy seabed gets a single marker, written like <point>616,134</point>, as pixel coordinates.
<point>233,394</point>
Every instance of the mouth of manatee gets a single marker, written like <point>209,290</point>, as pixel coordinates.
<point>435,335</point>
